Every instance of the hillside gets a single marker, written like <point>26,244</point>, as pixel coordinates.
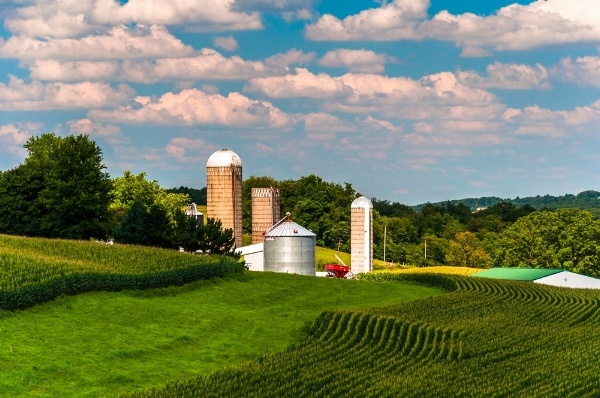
<point>103,343</point>
<point>487,338</point>
<point>587,200</point>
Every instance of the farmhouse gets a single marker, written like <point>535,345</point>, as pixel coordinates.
<point>544,276</point>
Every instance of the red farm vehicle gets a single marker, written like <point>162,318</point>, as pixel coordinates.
<point>338,271</point>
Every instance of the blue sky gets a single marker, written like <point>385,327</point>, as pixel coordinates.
<point>408,100</point>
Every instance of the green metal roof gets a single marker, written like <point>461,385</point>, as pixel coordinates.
<point>517,274</point>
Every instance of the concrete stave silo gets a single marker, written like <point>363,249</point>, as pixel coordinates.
<point>361,235</point>
<point>224,191</point>
<point>265,211</point>
<point>290,248</point>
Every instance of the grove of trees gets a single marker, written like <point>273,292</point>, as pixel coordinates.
<point>61,190</point>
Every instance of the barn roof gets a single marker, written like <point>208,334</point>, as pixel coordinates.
<point>517,274</point>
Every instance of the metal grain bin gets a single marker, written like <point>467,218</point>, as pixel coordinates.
<point>290,248</point>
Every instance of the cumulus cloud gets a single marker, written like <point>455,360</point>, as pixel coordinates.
<point>289,9</point>
<point>369,89</point>
<point>584,71</point>
<point>507,76</point>
<point>207,64</point>
<point>357,61</point>
<point>392,21</point>
<point>514,27</point>
<point>109,133</point>
<point>323,126</point>
<point>120,42</point>
<point>534,120</point>
<point>21,95</point>
<point>193,107</point>
<point>226,43</point>
<point>75,19</point>
<point>14,136</point>
<point>188,150</point>
<point>291,57</point>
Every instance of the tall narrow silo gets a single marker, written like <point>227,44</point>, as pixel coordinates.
<point>290,248</point>
<point>361,235</point>
<point>224,191</point>
<point>265,211</point>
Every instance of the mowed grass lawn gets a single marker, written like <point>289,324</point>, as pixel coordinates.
<point>101,344</point>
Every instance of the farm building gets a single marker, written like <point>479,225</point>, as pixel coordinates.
<point>287,247</point>
<point>544,276</point>
<point>253,256</point>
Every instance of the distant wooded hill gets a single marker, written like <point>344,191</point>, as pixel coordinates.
<point>586,200</point>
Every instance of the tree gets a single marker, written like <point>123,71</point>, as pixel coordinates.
<point>147,227</point>
<point>209,238</point>
<point>131,188</point>
<point>566,238</point>
<point>60,191</point>
<point>467,251</point>
<point>133,228</point>
<point>213,239</point>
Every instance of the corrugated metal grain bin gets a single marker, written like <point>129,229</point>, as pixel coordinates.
<point>290,248</point>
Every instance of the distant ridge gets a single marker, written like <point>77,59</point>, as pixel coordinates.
<point>586,200</point>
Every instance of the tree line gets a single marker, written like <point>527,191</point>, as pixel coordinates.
<point>62,190</point>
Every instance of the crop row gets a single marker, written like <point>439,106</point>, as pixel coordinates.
<point>33,271</point>
<point>486,338</point>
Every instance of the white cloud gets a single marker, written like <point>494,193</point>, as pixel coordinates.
<point>193,107</point>
<point>533,120</point>
<point>188,150</point>
<point>368,89</point>
<point>357,61</point>
<point>14,136</point>
<point>207,64</point>
<point>514,27</point>
<point>35,95</point>
<point>507,76</point>
<point>289,9</point>
<point>226,43</point>
<point>110,133</point>
<point>584,71</point>
<point>325,126</point>
<point>45,18</point>
<point>119,42</point>
<point>291,57</point>
<point>392,21</point>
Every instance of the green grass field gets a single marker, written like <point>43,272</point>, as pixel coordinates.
<point>488,338</point>
<point>104,343</point>
<point>244,334</point>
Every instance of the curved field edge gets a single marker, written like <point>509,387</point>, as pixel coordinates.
<point>105,343</point>
<point>35,270</point>
<point>486,338</point>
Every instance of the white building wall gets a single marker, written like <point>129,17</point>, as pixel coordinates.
<point>570,279</point>
<point>253,256</point>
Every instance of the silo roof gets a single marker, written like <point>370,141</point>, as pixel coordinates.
<point>361,203</point>
<point>289,228</point>
<point>224,158</point>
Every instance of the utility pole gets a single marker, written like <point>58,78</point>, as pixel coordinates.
<point>384,240</point>
<point>425,252</point>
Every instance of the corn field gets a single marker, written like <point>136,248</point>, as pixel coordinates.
<point>485,338</point>
<point>35,270</point>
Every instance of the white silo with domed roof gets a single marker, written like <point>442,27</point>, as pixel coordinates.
<point>224,191</point>
<point>361,235</point>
